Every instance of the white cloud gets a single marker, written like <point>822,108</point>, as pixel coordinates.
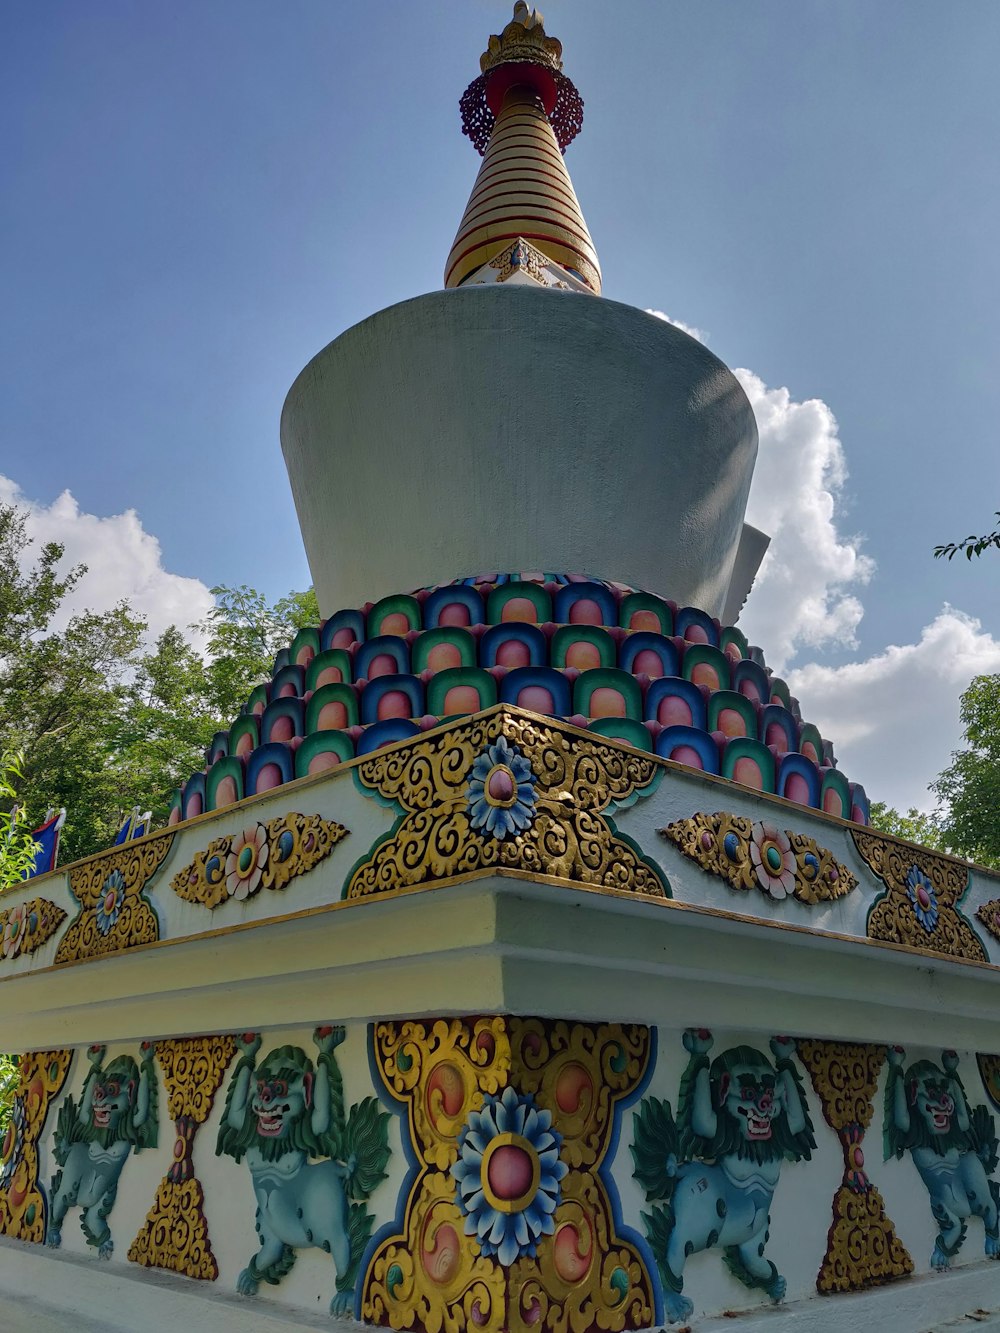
<point>893,718</point>
<point>679,323</point>
<point>123,561</point>
<point>806,592</point>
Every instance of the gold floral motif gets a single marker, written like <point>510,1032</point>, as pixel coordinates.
<point>583,1277</point>
<point>893,916</point>
<point>567,837</point>
<point>435,1278</point>
<point>41,1075</point>
<point>443,1069</point>
<point>520,256</point>
<point>294,844</point>
<point>174,1235</point>
<point>27,926</point>
<point>989,915</point>
<point>989,1071</point>
<point>862,1248</point>
<point>721,844</point>
<point>103,927</point>
<point>579,1072</point>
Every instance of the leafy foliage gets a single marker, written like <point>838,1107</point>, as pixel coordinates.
<point>8,1086</point>
<point>102,720</point>
<point>914,825</point>
<point>969,788</point>
<point>17,846</point>
<point>971,545</point>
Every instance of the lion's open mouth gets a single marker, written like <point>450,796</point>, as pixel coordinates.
<point>941,1120</point>
<point>102,1117</point>
<point>758,1127</point>
<point>270,1122</point>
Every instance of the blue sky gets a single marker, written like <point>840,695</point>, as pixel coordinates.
<point>197,197</point>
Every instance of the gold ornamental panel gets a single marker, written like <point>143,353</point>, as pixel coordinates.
<point>506,791</point>
<point>920,907</point>
<point>114,912</point>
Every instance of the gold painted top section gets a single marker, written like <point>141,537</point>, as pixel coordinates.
<point>523,190</point>
<point>523,39</point>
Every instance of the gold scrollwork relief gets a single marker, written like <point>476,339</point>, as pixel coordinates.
<point>750,854</point>
<point>462,1081</point>
<point>27,926</point>
<point>504,791</point>
<point>989,915</point>
<point>114,913</point>
<point>862,1248</point>
<point>260,856</point>
<point>920,906</point>
<point>41,1075</point>
<point>175,1233</point>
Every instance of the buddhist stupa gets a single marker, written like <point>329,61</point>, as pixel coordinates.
<point>520,960</point>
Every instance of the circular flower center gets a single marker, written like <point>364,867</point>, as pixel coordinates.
<point>773,858</point>
<point>500,787</point>
<point>923,897</point>
<point>245,860</point>
<point>510,1173</point>
<point>858,1157</point>
<point>109,902</point>
<point>14,926</point>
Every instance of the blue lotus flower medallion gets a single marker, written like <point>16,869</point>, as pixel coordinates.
<point>501,801</point>
<point>507,1175</point>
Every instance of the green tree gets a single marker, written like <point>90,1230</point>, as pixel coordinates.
<point>969,788</point>
<point>8,1086</point>
<point>243,634</point>
<point>914,825</point>
<point>17,846</point>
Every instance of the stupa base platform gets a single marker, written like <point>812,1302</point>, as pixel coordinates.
<point>506,1026</point>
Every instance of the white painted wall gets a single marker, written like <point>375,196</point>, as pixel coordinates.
<point>520,429</point>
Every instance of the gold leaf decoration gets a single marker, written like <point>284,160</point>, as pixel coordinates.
<point>26,926</point>
<point>989,915</point>
<point>432,1276</point>
<point>40,1077</point>
<point>551,822</point>
<point>175,1233</point>
<point>920,905</point>
<point>260,856</point>
<point>989,1071</point>
<point>750,854</point>
<point>114,913</point>
<point>862,1248</point>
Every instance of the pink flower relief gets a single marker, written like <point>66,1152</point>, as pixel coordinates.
<point>245,863</point>
<point>773,860</point>
<point>14,930</point>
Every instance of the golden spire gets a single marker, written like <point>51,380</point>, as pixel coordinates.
<point>523,214</point>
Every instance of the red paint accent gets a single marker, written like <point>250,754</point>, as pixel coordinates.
<point>343,638</point>
<point>797,789</point>
<point>282,729</point>
<point>519,610</point>
<point>395,703</point>
<point>674,712</point>
<point>455,614</point>
<point>776,736</point>
<point>331,675</point>
<point>607,702</point>
<point>536,698</point>
<point>520,74</point>
<point>686,754</point>
<point>225,792</point>
<point>649,663</point>
<point>461,699</point>
<point>332,716</point>
<point>382,664</point>
<point>442,656</point>
<point>513,654</point>
<point>696,634</point>
<point>319,763</point>
<point>585,611</point>
<point>269,777</point>
<point>748,772</point>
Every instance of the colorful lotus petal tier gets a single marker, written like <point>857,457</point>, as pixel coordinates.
<point>621,663</point>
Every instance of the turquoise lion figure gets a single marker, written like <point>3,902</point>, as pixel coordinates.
<point>281,1115</point>
<point>711,1175</point>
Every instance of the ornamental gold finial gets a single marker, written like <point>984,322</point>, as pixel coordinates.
<point>523,39</point>
<point>523,219</point>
